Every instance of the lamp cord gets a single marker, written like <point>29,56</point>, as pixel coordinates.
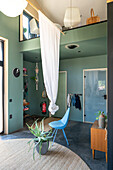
<point>71,14</point>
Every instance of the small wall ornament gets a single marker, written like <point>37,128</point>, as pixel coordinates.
<point>37,77</point>
<point>16,72</point>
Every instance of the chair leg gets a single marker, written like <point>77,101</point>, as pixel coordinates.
<point>53,132</point>
<point>54,136</point>
<point>65,136</point>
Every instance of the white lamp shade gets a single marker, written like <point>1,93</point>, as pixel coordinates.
<point>72,17</point>
<point>12,8</point>
<point>33,27</point>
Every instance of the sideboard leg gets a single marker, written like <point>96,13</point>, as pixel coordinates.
<point>93,153</point>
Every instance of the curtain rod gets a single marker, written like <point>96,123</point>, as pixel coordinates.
<point>30,3</point>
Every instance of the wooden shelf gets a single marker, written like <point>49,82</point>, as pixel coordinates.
<point>26,104</point>
<point>25,75</point>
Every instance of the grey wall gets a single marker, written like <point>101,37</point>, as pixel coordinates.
<point>34,96</point>
<point>74,68</point>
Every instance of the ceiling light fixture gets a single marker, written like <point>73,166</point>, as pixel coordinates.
<point>71,46</point>
<point>72,16</point>
<point>12,8</point>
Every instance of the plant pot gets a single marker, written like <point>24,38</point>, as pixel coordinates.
<point>45,146</point>
<point>101,122</point>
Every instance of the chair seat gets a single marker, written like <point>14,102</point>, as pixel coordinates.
<point>57,124</point>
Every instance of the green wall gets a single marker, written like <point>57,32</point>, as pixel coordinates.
<point>74,68</point>
<point>34,96</point>
<point>9,28</point>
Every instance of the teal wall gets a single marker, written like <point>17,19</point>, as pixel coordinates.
<point>34,96</point>
<point>74,68</point>
<point>9,28</point>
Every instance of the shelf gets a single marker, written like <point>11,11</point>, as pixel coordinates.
<point>26,104</point>
<point>25,75</point>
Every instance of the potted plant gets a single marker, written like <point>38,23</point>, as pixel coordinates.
<point>41,138</point>
<point>101,119</point>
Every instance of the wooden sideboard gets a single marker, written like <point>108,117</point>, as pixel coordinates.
<point>98,139</point>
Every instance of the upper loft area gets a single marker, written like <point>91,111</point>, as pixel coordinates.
<point>66,15</point>
<point>91,40</point>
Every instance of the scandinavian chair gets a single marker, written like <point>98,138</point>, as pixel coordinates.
<point>60,124</point>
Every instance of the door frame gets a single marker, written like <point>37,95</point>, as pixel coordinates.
<point>66,85</point>
<point>6,116</point>
<point>97,69</point>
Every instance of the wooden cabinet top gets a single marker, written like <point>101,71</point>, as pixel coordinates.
<point>95,125</point>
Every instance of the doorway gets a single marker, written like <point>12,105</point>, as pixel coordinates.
<point>1,87</point>
<point>95,93</point>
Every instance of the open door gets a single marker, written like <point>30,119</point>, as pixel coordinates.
<point>1,87</point>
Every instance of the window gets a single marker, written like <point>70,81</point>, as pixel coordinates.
<point>27,32</point>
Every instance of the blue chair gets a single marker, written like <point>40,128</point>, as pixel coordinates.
<point>60,124</point>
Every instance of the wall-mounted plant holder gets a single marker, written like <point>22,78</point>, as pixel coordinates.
<point>37,77</point>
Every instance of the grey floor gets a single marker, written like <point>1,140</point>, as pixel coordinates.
<point>78,135</point>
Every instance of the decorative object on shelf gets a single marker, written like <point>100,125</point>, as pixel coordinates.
<point>34,27</point>
<point>25,105</point>
<point>93,18</point>
<point>44,94</point>
<point>101,119</point>
<point>72,16</point>
<point>25,72</point>
<point>41,138</point>
<point>16,72</point>
<point>12,8</point>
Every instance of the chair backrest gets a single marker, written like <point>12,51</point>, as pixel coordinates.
<point>66,117</point>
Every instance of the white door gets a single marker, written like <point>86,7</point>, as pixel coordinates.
<point>1,86</point>
<point>95,93</point>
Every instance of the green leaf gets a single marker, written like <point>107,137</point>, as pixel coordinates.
<point>40,148</point>
<point>34,150</point>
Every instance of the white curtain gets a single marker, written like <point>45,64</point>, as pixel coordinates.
<point>50,41</point>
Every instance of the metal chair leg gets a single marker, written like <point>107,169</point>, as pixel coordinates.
<point>65,136</point>
<point>53,132</point>
<point>54,136</point>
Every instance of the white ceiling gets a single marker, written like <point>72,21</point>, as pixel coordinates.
<point>55,9</point>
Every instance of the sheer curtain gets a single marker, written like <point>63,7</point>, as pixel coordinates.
<point>50,41</point>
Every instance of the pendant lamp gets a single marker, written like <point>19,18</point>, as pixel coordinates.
<point>72,16</point>
<point>12,8</point>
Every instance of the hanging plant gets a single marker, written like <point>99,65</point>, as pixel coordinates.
<point>36,78</point>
